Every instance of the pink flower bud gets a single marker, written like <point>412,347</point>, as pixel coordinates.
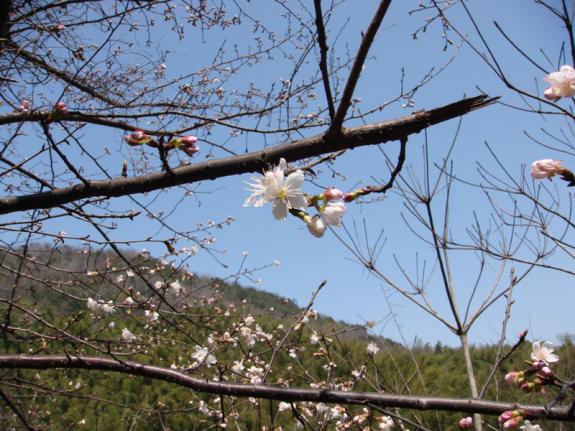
<point>61,108</point>
<point>24,106</point>
<point>189,140</point>
<point>466,423</point>
<point>522,334</point>
<point>546,372</point>
<point>515,377</point>
<point>512,424</point>
<point>138,137</point>
<point>546,168</point>
<point>562,83</point>
<point>316,226</point>
<point>332,194</point>
<point>186,143</point>
<point>505,416</point>
<point>333,213</point>
<point>191,150</point>
<point>59,27</point>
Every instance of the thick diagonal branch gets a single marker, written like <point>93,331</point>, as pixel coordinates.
<point>377,133</point>
<point>276,392</point>
<point>322,41</point>
<point>357,67</point>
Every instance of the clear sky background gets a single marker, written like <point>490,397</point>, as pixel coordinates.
<point>543,301</point>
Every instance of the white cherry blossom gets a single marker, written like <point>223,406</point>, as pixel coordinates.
<point>544,352</point>
<point>274,187</point>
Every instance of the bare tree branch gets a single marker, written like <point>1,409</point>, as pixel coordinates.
<point>355,72</point>
<point>322,41</point>
<point>279,393</point>
<point>377,133</point>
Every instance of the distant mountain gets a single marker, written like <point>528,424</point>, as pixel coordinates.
<point>67,276</point>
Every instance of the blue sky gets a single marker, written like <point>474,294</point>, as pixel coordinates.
<point>542,301</point>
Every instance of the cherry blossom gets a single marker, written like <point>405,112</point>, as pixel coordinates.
<point>128,336</point>
<point>386,423</point>
<point>186,143</point>
<point>544,352</point>
<point>372,348</point>
<point>466,423</point>
<point>316,226</point>
<point>332,194</point>
<point>528,426</point>
<point>274,187</point>
<point>61,108</point>
<point>333,212</point>
<point>562,83</point>
<point>546,168</point>
<point>139,137</point>
<point>202,356</point>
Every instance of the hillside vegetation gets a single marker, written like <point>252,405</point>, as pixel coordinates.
<point>240,328</point>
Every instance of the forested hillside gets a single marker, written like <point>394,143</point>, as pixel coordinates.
<point>227,333</point>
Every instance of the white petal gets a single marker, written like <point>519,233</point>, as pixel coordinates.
<point>295,180</point>
<point>280,209</point>
<point>297,201</point>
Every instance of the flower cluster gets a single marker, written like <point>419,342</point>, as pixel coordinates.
<point>548,168</point>
<point>104,307</point>
<point>466,423</point>
<point>187,143</point>
<point>330,213</point>
<point>139,137</point>
<point>562,83</point>
<point>285,195</point>
<point>511,419</point>
<point>539,373</point>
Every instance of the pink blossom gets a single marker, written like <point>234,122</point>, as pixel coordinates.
<point>138,137</point>
<point>316,226</point>
<point>186,143</point>
<point>511,419</point>
<point>562,83</point>
<point>189,140</point>
<point>546,372</point>
<point>333,213</point>
<point>515,378</point>
<point>24,106</point>
<point>59,27</point>
<point>332,194</point>
<point>545,168</point>
<point>61,108</point>
<point>466,423</point>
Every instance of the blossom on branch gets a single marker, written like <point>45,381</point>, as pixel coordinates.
<point>544,352</point>
<point>372,348</point>
<point>466,423</point>
<point>528,426</point>
<point>61,108</point>
<point>274,187</point>
<point>186,143</point>
<point>546,168</point>
<point>316,226</point>
<point>562,83</point>
<point>139,137</point>
<point>332,194</point>
<point>128,336</point>
<point>333,212</point>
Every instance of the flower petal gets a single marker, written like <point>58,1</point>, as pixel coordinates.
<point>280,209</point>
